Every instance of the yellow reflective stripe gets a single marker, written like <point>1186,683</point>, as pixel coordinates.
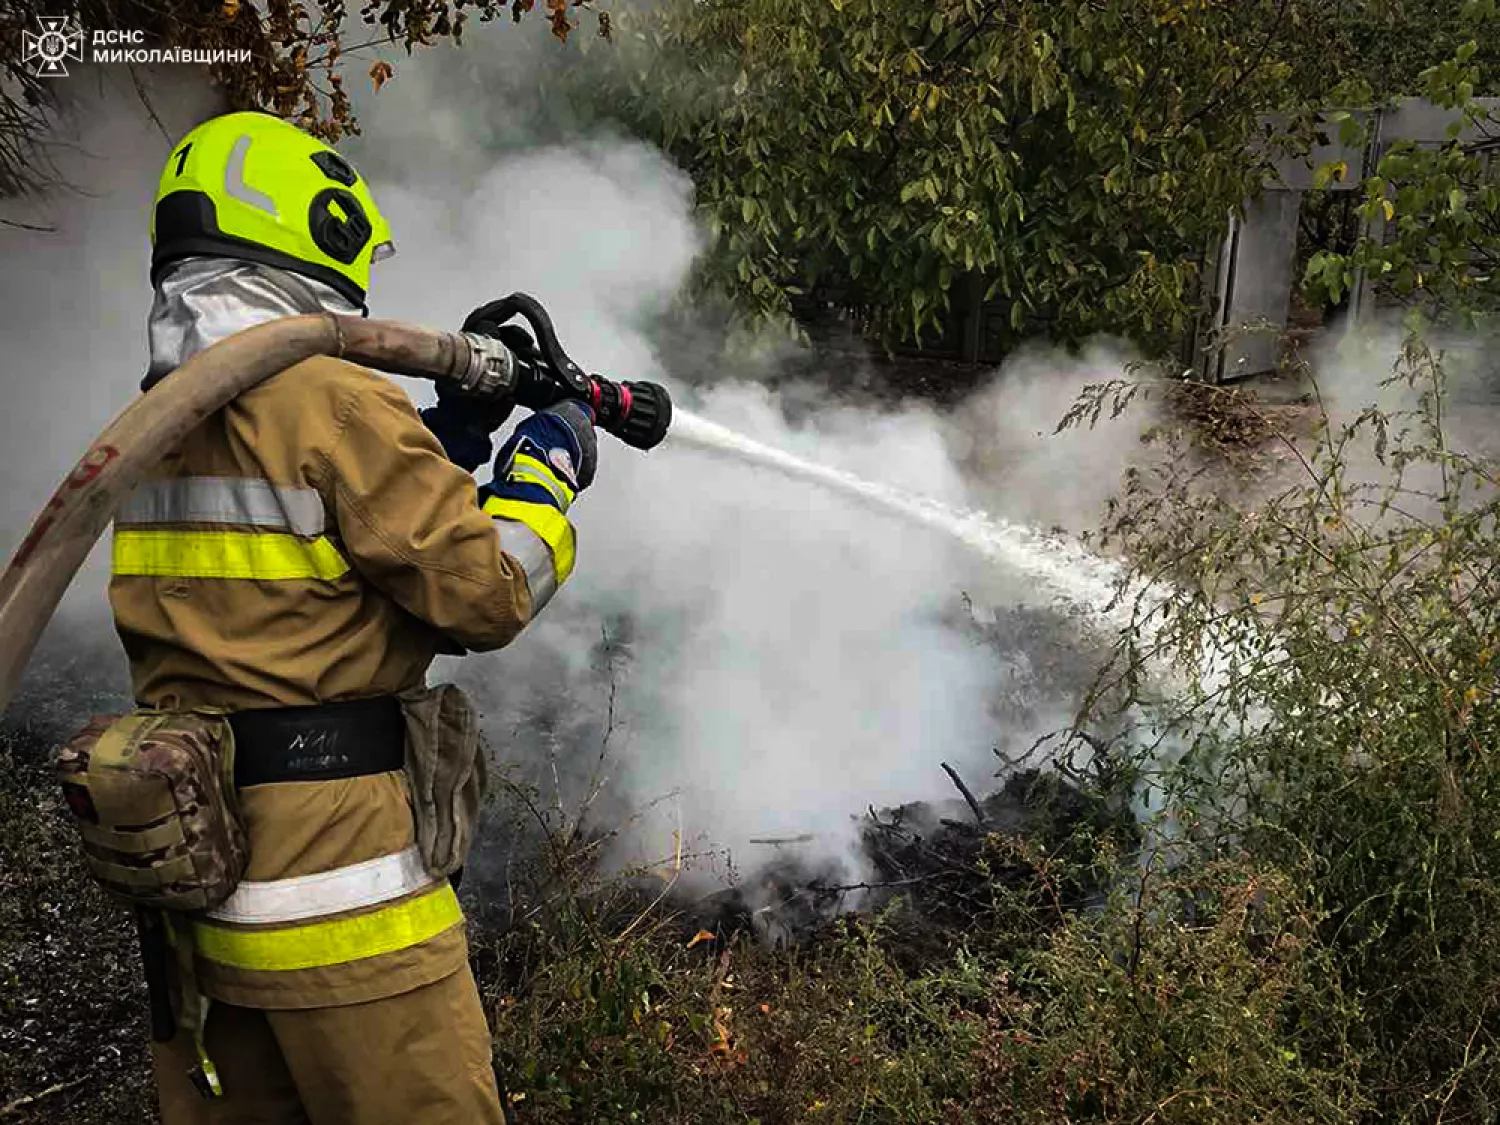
<point>335,942</point>
<point>550,524</point>
<point>225,554</point>
<point>530,469</point>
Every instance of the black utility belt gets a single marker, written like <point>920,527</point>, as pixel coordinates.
<point>322,743</point>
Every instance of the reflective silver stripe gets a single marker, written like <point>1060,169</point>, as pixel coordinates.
<point>328,892</point>
<point>532,471</point>
<point>527,475</point>
<point>527,548</point>
<point>243,501</point>
<point>234,180</point>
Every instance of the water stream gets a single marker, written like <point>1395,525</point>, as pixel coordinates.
<point>1076,577</point>
<point>1065,568</point>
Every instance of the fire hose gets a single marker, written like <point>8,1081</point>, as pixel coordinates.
<point>43,566</point>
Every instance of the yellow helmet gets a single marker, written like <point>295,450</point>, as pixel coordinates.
<point>254,187</point>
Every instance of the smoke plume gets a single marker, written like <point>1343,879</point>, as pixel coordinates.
<point>739,655</point>
<point>751,657</point>
<point>74,294</point>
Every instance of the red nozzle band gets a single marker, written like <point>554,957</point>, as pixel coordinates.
<point>624,400</point>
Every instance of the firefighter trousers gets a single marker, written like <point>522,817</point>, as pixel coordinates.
<point>418,1058</point>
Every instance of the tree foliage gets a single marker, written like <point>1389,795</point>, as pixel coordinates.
<point>300,54</point>
<point>1374,49</point>
<point>1076,155</point>
<point>1434,242</point>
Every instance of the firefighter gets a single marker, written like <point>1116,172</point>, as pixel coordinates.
<point>297,564</point>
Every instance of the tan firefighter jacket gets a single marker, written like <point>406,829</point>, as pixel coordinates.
<point>310,544</point>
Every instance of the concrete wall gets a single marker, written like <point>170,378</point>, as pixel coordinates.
<point>1253,268</point>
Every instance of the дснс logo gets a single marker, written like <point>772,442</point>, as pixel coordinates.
<point>59,40</point>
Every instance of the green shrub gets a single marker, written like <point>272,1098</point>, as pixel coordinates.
<point>1334,716</point>
<point>1193,996</point>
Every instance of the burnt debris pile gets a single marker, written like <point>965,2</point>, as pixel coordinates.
<point>944,864</point>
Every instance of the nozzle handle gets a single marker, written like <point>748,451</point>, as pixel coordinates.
<point>491,316</point>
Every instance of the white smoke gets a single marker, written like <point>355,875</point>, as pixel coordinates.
<point>75,293</point>
<point>1362,368</point>
<point>1015,460</point>
<point>793,657</point>
<point>782,658</point>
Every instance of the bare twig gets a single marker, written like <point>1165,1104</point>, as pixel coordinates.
<point>1136,938</point>
<point>964,789</point>
<point>1097,744</point>
<point>1155,1113</point>
<point>1459,1073</point>
<point>843,887</point>
<point>31,1099</point>
<point>561,857</point>
<point>145,98</point>
<point>597,780</point>
<point>666,890</point>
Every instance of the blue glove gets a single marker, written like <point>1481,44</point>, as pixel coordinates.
<point>549,458</point>
<point>465,424</point>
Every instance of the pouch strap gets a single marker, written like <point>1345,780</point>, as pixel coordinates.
<point>144,840</point>
<point>194,1014</point>
<point>156,958</point>
<point>179,868</point>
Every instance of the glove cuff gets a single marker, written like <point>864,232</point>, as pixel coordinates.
<point>527,463</point>
<point>467,445</point>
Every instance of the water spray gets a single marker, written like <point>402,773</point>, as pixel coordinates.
<point>1098,587</point>
<point>1066,569</point>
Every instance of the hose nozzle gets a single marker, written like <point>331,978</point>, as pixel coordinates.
<point>639,414</point>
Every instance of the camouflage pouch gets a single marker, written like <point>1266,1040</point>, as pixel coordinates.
<point>153,798</point>
<point>446,773</point>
